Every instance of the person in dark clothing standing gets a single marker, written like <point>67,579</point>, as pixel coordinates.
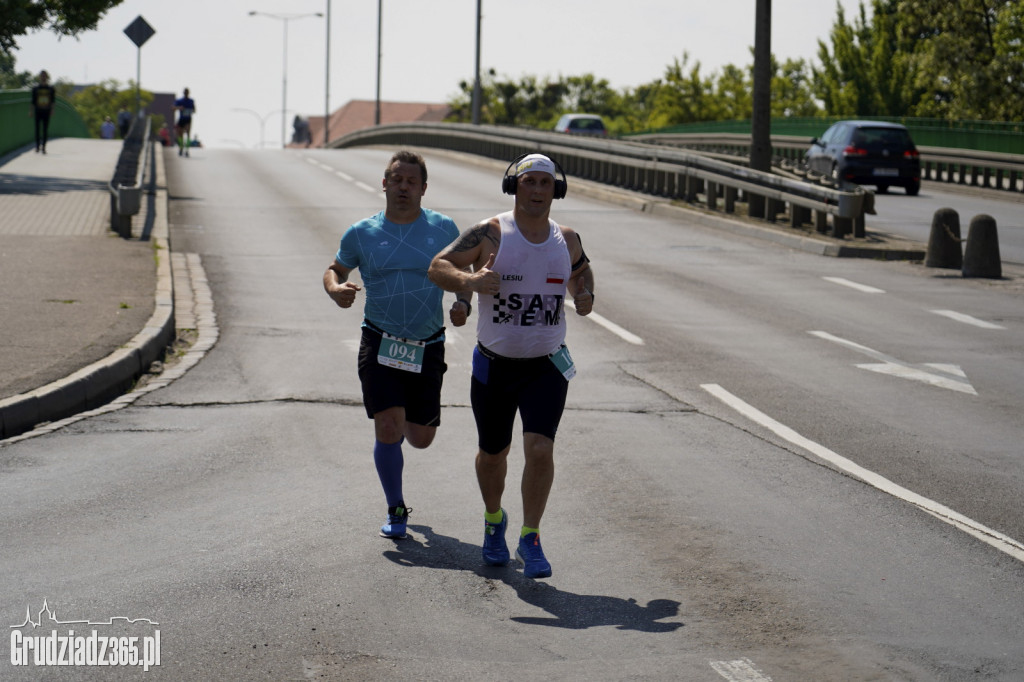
<point>43,98</point>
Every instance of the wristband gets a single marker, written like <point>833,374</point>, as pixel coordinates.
<point>469,306</point>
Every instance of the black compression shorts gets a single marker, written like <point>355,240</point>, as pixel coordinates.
<point>502,386</point>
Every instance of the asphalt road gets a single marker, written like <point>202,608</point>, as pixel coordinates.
<point>773,465</point>
<point>911,217</point>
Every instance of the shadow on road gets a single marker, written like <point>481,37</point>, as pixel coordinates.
<point>568,610</point>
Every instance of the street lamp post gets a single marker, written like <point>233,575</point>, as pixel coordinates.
<point>284,19</point>
<point>262,119</point>
<point>327,79</point>
<point>376,116</point>
<point>476,79</point>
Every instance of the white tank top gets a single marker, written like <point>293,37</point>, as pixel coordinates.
<point>525,320</point>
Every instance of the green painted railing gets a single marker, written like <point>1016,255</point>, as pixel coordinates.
<point>17,125</point>
<point>989,136</point>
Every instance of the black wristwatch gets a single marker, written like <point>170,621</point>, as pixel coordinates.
<point>469,306</point>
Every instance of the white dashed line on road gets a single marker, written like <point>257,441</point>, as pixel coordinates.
<point>627,336</point>
<point>742,670</point>
<point>967,319</point>
<point>854,285</point>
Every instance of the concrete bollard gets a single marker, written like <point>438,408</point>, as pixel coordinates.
<point>944,241</point>
<point>981,257</point>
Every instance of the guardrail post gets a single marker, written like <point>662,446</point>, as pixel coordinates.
<point>730,199</point>
<point>841,226</point>
<point>944,241</point>
<point>712,196</point>
<point>981,256</point>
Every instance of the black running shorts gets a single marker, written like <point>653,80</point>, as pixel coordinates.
<point>386,387</point>
<point>502,386</point>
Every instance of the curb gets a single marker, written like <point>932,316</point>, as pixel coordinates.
<point>104,380</point>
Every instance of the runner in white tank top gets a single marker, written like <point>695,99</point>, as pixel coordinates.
<point>521,264</point>
<point>524,320</point>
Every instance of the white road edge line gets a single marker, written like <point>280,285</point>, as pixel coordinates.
<point>364,186</point>
<point>967,319</point>
<point>1003,543</point>
<point>742,670</point>
<point>627,336</point>
<point>854,285</point>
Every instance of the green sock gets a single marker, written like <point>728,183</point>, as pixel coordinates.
<point>526,531</point>
<point>496,517</point>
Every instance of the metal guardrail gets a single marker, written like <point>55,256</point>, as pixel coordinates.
<point>657,170</point>
<point>968,167</point>
<point>126,185</point>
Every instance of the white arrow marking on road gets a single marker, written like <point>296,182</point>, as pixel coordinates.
<point>942,375</point>
<point>967,319</point>
<point>854,285</point>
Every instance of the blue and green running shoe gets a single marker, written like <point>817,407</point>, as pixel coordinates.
<point>398,516</point>
<point>495,551</point>
<point>532,556</point>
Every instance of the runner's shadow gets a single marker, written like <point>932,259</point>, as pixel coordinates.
<point>568,610</point>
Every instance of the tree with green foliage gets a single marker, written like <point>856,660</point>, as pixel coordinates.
<point>63,17</point>
<point>909,58</point>
<point>964,57</point>
<point>96,102</point>
<point>685,96</point>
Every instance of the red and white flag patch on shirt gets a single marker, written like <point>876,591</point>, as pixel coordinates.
<point>555,278</point>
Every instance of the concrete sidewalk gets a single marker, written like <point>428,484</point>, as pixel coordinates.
<point>83,312</point>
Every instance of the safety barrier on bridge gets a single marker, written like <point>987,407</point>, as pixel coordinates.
<point>660,171</point>
<point>992,170</point>
<point>126,184</point>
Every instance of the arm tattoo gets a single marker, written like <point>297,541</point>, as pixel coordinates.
<point>472,238</point>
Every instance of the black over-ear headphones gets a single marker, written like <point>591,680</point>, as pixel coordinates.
<point>510,183</point>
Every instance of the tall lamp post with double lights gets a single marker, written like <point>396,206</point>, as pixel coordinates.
<point>284,19</point>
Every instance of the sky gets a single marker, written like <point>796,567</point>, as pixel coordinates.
<point>233,63</point>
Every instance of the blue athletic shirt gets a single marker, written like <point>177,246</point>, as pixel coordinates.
<point>393,261</point>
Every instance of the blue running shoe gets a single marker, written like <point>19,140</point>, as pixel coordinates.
<point>397,518</point>
<point>532,556</point>
<point>495,550</point>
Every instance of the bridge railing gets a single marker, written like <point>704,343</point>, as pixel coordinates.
<point>973,168</point>
<point>17,126</point>
<point>663,171</point>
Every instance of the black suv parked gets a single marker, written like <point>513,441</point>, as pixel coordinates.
<point>867,153</point>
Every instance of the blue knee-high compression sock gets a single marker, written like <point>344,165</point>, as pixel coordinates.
<point>389,461</point>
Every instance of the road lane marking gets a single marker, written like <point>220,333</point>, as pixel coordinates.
<point>854,285</point>
<point>742,670</point>
<point>941,375</point>
<point>344,176</point>
<point>627,336</point>
<point>1003,543</point>
<point>967,319</point>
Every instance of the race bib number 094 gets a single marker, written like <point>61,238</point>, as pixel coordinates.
<point>401,354</point>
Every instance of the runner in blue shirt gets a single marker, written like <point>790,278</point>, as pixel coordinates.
<point>185,106</point>
<point>401,353</point>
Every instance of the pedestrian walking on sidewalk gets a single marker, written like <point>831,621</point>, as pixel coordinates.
<point>520,263</point>
<point>401,354</point>
<point>44,97</point>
